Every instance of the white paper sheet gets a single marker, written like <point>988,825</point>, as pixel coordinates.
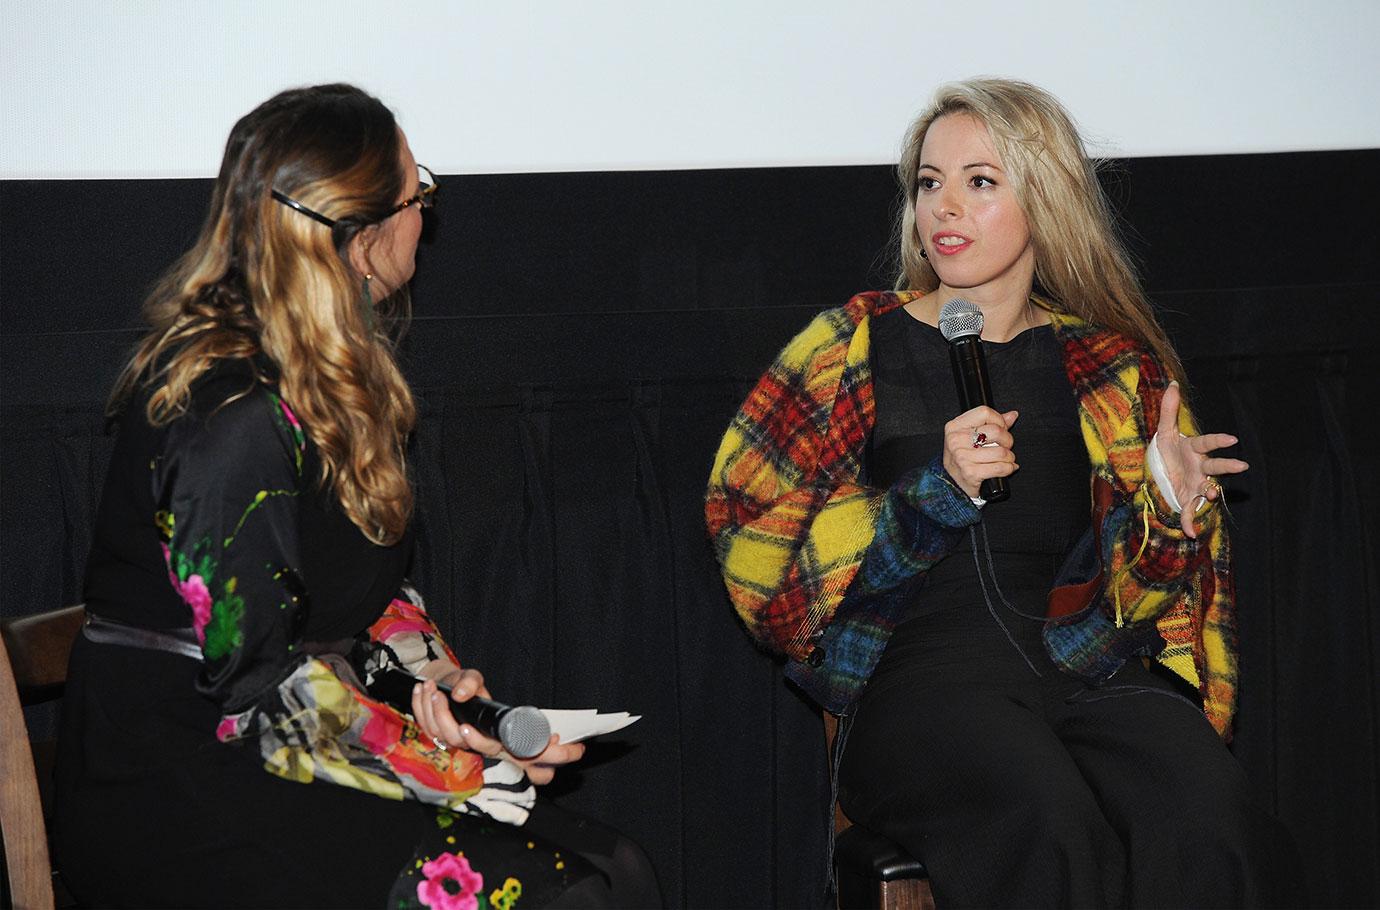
<point>573,726</point>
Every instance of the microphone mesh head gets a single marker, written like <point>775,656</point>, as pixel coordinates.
<point>524,731</point>
<point>959,318</point>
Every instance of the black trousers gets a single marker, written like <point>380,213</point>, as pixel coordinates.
<point>1019,786</point>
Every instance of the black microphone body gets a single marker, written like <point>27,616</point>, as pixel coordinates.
<point>523,729</point>
<point>970,373</point>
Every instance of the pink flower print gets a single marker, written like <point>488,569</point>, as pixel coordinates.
<point>196,596</point>
<point>450,884</point>
<point>228,728</point>
<point>291,417</point>
<point>168,561</point>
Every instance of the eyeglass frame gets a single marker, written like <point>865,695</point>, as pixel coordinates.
<point>423,198</point>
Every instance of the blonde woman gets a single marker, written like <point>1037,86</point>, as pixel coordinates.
<point>246,579</point>
<point>1034,692</point>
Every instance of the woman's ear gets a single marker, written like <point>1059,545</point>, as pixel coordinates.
<point>358,250</point>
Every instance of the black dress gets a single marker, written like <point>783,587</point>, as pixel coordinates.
<point>164,796</point>
<point>1018,785</point>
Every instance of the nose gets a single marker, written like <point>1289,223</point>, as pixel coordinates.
<point>947,203</point>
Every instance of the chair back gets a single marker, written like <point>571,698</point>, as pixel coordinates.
<point>33,667</point>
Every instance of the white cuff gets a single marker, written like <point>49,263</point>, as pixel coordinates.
<point>1154,463</point>
<point>507,794</point>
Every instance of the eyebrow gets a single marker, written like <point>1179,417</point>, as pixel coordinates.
<point>966,167</point>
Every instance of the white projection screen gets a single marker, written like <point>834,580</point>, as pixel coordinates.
<point>149,88</point>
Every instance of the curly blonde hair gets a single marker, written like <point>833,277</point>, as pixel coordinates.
<point>1081,264</point>
<point>263,279</point>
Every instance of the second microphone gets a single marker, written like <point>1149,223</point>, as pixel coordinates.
<point>523,729</point>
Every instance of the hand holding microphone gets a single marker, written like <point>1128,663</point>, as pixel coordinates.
<point>476,722</point>
<point>978,450</point>
<point>977,443</point>
<point>522,730</point>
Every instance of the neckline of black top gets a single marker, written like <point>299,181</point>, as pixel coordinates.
<point>1022,335</point>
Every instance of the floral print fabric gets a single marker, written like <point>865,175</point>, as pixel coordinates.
<point>217,522</point>
<point>470,863</point>
<point>228,490</point>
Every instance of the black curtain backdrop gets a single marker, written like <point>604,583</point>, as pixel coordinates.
<point>580,343</point>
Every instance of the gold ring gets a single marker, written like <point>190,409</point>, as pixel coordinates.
<point>1211,484</point>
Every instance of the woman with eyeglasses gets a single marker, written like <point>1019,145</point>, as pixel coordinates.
<point>246,579</point>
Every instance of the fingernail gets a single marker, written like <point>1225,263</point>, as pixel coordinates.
<point>1174,382</point>
<point>417,689</point>
<point>466,730</point>
<point>436,697</point>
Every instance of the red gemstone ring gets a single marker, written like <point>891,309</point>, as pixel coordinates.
<point>979,439</point>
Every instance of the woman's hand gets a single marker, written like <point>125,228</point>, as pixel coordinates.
<point>429,706</point>
<point>433,715</point>
<point>977,447</point>
<point>1189,462</point>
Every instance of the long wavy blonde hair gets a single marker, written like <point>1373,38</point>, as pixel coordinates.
<point>1081,264</point>
<point>263,280</point>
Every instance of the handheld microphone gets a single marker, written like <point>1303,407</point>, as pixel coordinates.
<point>960,322</point>
<point>523,729</point>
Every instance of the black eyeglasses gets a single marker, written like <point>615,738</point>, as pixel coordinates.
<point>425,198</point>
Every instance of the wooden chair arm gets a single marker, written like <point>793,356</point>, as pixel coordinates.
<point>39,647</point>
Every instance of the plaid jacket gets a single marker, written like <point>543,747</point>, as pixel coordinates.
<point>817,562</point>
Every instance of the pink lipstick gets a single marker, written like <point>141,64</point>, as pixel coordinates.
<point>948,243</point>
